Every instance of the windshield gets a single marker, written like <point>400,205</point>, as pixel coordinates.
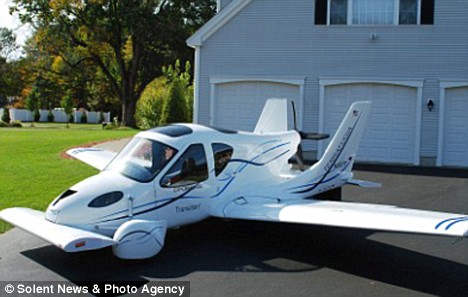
<point>142,159</point>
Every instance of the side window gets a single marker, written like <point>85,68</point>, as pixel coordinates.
<point>191,168</point>
<point>222,154</point>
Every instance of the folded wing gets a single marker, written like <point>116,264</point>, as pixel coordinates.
<point>95,157</point>
<point>67,238</point>
<point>350,215</point>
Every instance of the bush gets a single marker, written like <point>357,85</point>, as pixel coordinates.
<point>16,124</point>
<point>102,119</point>
<point>36,115</point>
<point>175,107</point>
<point>84,118</point>
<point>71,118</point>
<point>150,106</point>
<point>6,115</point>
<point>13,124</point>
<point>50,116</point>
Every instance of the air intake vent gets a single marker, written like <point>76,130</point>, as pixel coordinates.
<point>64,195</point>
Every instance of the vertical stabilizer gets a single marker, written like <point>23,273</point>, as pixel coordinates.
<point>274,117</point>
<point>342,150</point>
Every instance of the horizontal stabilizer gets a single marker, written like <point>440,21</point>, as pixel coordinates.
<point>66,238</point>
<point>364,183</point>
<point>313,136</point>
<point>94,157</point>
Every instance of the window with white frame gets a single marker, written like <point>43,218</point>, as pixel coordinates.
<point>374,12</point>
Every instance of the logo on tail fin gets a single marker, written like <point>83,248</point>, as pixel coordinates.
<point>339,149</point>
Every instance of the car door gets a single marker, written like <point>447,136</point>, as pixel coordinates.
<point>185,189</point>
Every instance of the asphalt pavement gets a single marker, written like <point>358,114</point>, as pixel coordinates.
<point>243,258</point>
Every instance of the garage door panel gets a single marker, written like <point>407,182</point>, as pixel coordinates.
<point>238,105</point>
<point>389,136</point>
<point>455,146</point>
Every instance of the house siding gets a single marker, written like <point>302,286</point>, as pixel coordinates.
<point>278,38</point>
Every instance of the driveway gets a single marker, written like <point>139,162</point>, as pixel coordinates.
<point>242,258</point>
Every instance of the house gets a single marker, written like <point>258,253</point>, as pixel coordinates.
<point>409,57</point>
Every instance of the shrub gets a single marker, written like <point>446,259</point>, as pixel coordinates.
<point>36,115</point>
<point>16,124</point>
<point>50,116</point>
<point>71,118</point>
<point>102,119</point>
<point>150,106</point>
<point>6,115</point>
<point>13,124</point>
<point>175,107</point>
<point>84,118</point>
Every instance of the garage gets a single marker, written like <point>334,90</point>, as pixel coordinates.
<point>455,131</point>
<point>238,105</point>
<point>391,133</point>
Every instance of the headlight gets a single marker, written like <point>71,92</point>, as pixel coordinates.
<point>106,199</point>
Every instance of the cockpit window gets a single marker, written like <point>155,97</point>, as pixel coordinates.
<point>222,154</point>
<point>142,159</point>
<point>191,168</point>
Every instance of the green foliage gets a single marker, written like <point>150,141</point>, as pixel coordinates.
<point>178,106</point>
<point>175,107</point>
<point>6,115</point>
<point>150,106</point>
<point>50,116</point>
<point>16,124</point>
<point>107,48</point>
<point>84,118</point>
<point>32,101</point>
<point>101,117</point>
<point>168,99</point>
<point>7,42</point>
<point>67,103</point>
<point>36,115</point>
<point>13,124</point>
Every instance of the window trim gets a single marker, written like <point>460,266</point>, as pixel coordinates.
<point>396,15</point>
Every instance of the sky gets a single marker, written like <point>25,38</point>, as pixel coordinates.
<point>12,22</point>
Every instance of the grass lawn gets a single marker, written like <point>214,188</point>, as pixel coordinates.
<point>32,173</point>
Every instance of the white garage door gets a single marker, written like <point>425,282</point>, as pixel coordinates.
<point>391,128</point>
<point>238,105</point>
<point>455,151</point>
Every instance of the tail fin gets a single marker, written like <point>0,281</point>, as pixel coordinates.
<point>341,151</point>
<point>274,117</point>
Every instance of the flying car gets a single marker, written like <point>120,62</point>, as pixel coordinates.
<point>180,174</point>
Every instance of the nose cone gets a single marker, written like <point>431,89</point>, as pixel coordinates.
<point>76,209</point>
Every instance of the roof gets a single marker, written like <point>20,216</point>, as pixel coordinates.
<point>217,22</point>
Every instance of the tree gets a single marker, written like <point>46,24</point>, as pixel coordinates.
<point>7,42</point>
<point>67,105</point>
<point>128,40</point>
<point>8,79</point>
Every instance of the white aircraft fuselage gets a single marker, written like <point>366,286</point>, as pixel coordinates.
<point>258,167</point>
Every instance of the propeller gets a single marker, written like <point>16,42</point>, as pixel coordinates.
<point>299,154</point>
<point>304,136</point>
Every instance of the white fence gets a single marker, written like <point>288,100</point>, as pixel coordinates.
<point>60,116</point>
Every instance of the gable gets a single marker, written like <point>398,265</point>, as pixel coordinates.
<point>213,25</point>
